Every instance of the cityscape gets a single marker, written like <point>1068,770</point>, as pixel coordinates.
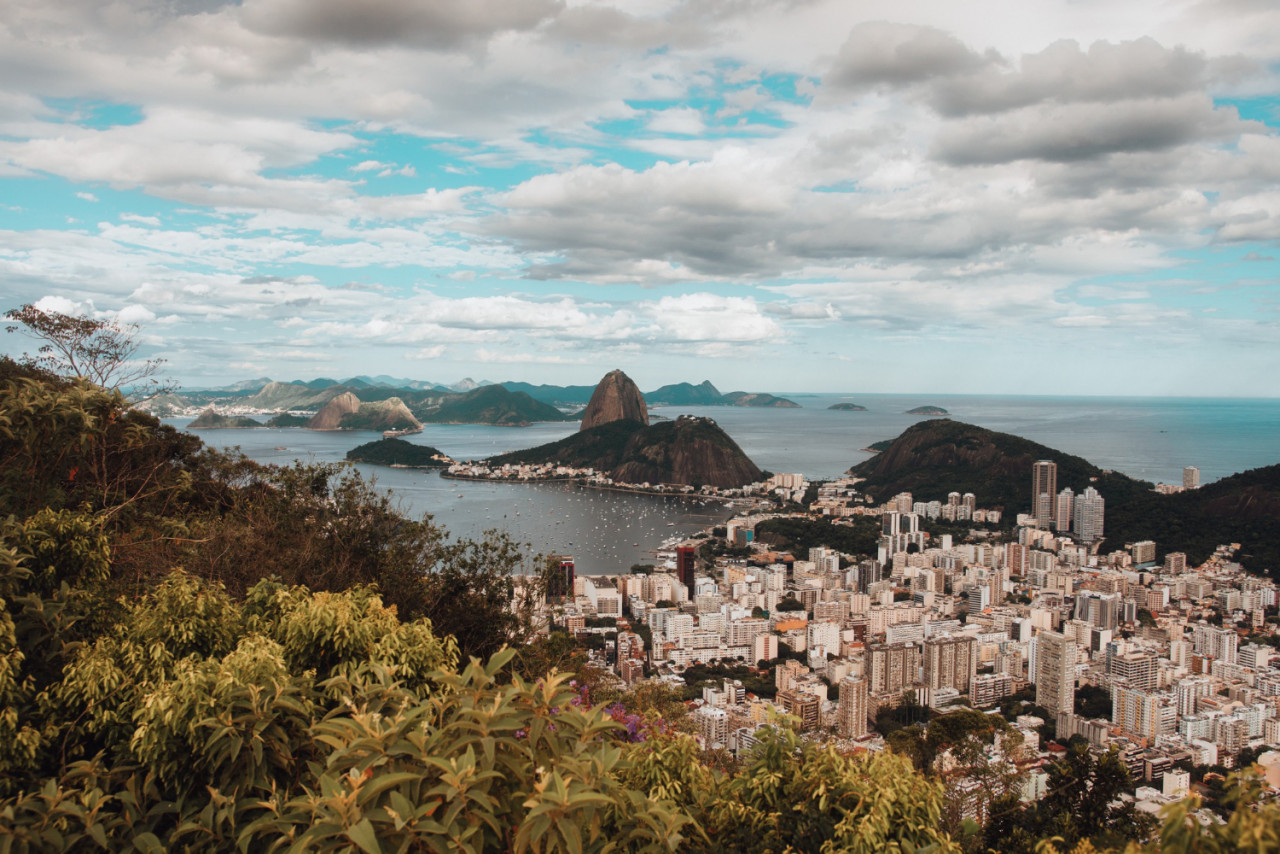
<point>1182,656</point>
<point>612,426</point>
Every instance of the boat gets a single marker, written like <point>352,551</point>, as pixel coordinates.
<point>395,434</point>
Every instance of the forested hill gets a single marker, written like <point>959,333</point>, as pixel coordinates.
<point>933,458</point>
<point>688,450</point>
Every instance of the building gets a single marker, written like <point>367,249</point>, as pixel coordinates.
<point>686,564</point>
<point>1143,552</point>
<point>893,667</point>
<point>950,662</point>
<point>1138,670</point>
<point>1136,712</point>
<point>803,705</point>
<point>1191,478</point>
<point>713,725</point>
<point>1055,671</point>
<point>1066,506</point>
<point>851,714</point>
<point>1089,514</point>
<point>1044,492</point>
<point>560,578</point>
<point>990,688</point>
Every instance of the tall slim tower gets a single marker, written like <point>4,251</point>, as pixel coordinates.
<point>1191,478</point>
<point>1044,492</point>
<point>851,715</point>
<point>1055,674</point>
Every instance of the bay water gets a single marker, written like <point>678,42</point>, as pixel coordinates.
<point>606,532</point>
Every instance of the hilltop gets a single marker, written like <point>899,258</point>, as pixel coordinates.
<point>688,450</point>
<point>935,457</point>
<point>616,398</point>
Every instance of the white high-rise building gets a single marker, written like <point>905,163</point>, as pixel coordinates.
<point>1090,511</point>
<point>1066,506</point>
<point>1191,478</point>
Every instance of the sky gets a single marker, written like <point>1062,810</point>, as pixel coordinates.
<point>1002,196</point>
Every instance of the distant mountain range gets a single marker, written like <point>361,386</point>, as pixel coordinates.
<point>465,402</point>
<point>938,456</point>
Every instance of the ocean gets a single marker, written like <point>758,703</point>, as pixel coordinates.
<point>606,532</point>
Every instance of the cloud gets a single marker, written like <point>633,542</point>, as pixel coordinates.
<point>88,197</point>
<point>881,52</point>
<point>1083,131</point>
<point>1063,73</point>
<point>433,24</point>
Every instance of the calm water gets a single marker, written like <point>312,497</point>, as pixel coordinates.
<point>1147,438</point>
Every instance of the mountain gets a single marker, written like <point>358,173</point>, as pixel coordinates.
<point>490,404</point>
<point>742,398</point>
<point>686,394</point>
<point>688,450</point>
<point>616,398</point>
<point>565,395</point>
<point>938,456</point>
<point>276,395</point>
<point>705,394</point>
<point>935,457</point>
<point>398,452</point>
<point>468,384</point>
<point>211,419</point>
<point>331,414</point>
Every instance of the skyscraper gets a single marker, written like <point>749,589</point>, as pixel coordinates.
<point>1089,515</point>
<point>1055,672</point>
<point>951,662</point>
<point>851,715</point>
<point>686,564</point>
<point>1044,492</point>
<point>1066,505</point>
<point>1191,478</point>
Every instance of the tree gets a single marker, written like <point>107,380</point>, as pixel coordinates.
<point>102,352</point>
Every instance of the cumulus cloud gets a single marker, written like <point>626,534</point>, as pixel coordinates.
<point>882,52</point>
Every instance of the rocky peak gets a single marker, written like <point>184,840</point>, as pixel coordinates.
<point>330,415</point>
<point>616,398</point>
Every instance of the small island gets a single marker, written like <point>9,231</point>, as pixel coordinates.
<point>212,420</point>
<point>928,410</point>
<point>847,407</point>
<point>286,419</point>
<point>399,453</point>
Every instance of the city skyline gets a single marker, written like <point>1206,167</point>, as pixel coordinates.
<point>1048,198</point>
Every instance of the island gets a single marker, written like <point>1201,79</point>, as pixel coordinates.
<point>399,453</point>
<point>847,407</point>
<point>212,420</point>
<point>928,410</point>
<point>288,419</point>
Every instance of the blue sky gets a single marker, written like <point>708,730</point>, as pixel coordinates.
<point>1038,198</point>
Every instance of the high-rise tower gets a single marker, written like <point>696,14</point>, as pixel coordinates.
<point>1044,492</point>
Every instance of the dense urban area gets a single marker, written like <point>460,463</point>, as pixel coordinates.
<point>1172,668</point>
